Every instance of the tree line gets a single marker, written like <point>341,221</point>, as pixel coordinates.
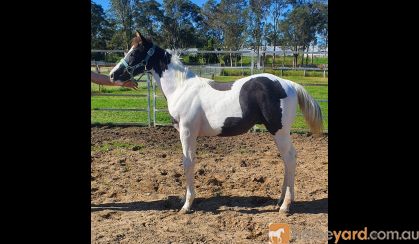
<point>296,25</point>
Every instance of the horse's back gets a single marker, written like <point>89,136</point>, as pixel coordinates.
<point>286,85</point>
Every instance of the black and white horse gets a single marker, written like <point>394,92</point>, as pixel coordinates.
<point>200,110</point>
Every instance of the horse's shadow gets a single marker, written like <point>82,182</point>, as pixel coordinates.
<point>252,205</point>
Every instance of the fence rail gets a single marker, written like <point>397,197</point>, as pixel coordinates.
<point>147,109</point>
<point>101,64</point>
<point>154,108</point>
<point>201,67</point>
<point>107,51</point>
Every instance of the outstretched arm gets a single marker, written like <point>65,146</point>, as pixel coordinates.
<point>104,80</point>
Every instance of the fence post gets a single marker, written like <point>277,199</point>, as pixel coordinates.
<point>324,73</point>
<point>304,72</point>
<point>148,99</point>
<point>154,103</point>
<point>252,63</point>
<point>98,71</point>
<point>241,63</point>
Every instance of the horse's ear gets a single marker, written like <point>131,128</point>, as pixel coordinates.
<point>138,34</point>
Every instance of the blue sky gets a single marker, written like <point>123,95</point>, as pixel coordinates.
<point>106,3</point>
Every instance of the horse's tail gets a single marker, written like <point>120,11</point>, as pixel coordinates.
<point>310,108</point>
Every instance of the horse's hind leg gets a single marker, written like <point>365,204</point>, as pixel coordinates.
<point>189,148</point>
<point>288,154</point>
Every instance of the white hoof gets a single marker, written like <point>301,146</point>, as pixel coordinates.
<point>184,211</point>
<point>284,209</point>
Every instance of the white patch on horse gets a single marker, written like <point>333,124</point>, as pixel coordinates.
<point>119,63</point>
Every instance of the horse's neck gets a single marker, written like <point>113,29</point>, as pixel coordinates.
<point>173,78</point>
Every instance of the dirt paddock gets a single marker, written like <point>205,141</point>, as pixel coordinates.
<point>137,183</point>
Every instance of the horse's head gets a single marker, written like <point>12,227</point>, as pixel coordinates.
<point>135,61</point>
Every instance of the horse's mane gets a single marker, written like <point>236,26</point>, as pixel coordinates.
<point>181,72</point>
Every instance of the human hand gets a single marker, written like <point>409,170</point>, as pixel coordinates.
<point>129,84</point>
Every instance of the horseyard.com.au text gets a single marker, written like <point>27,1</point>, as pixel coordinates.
<point>372,235</point>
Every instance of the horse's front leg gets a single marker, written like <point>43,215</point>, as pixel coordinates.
<point>188,140</point>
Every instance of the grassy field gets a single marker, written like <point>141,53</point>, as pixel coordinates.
<point>318,92</point>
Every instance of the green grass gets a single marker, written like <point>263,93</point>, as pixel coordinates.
<point>318,92</point>
<point>226,78</point>
<point>246,72</point>
<point>307,80</point>
<point>298,79</point>
<point>108,146</point>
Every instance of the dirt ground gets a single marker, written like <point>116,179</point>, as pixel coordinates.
<point>137,184</point>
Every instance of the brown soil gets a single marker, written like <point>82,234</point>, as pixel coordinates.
<point>137,183</point>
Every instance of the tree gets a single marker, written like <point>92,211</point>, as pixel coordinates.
<point>124,11</point>
<point>319,22</point>
<point>99,25</point>
<point>118,40</point>
<point>148,19</point>
<point>299,29</point>
<point>271,37</point>
<point>212,24</point>
<point>225,24</point>
<point>233,18</point>
<point>258,9</point>
<point>101,31</point>
<point>322,20</point>
<point>277,9</point>
<point>181,24</point>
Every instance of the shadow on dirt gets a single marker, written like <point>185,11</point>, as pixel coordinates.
<point>252,205</point>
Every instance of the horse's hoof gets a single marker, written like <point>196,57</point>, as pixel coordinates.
<point>284,211</point>
<point>184,211</point>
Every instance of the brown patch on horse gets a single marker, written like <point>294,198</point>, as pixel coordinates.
<point>221,86</point>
